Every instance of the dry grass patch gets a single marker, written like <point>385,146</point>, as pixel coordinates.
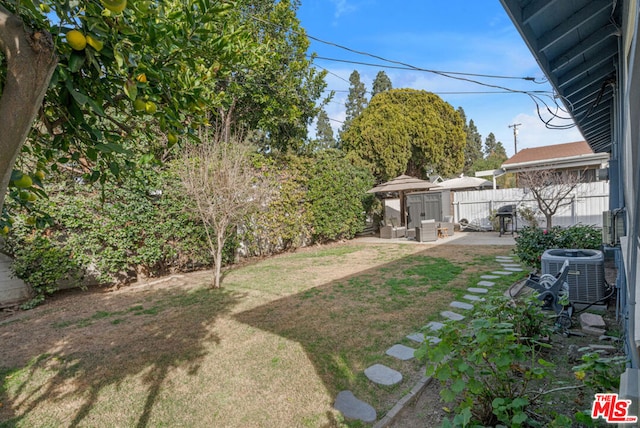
<point>272,348</point>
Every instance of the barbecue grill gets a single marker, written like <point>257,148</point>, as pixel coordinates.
<point>507,215</point>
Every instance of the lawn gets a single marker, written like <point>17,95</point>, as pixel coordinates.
<point>272,348</point>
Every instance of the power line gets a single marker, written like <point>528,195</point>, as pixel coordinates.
<point>536,98</point>
<point>426,70</point>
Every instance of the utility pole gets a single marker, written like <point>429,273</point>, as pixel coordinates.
<point>515,135</point>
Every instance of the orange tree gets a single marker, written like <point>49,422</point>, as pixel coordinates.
<point>83,82</point>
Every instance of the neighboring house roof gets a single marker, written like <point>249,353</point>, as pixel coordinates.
<point>558,156</point>
<point>465,183</point>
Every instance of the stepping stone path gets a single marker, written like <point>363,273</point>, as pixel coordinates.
<point>461,305</point>
<point>383,375</point>
<point>353,408</point>
<point>401,352</point>
<point>452,315</point>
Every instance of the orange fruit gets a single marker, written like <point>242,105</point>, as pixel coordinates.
<point>115,6</point>
<point>76,40</point>
<point>139,104</point>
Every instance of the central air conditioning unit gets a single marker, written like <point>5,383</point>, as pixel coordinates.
<point>586,273</point>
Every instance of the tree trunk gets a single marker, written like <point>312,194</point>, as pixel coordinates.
<point>30,60</point>
<point>549,221</point>
<point>218,261</point>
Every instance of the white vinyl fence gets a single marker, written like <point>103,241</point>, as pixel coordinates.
<point>586,204</point>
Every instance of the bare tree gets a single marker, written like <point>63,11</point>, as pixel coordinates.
<point>224,187</point>
<point>550,189</point>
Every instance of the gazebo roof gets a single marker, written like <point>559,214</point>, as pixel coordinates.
<point>402,183</point>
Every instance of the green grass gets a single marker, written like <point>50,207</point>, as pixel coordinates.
<point>273,348</point>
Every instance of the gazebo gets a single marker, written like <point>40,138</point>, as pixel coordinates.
<point>401,185</point>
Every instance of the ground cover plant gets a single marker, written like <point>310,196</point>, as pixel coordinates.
<point>272,348</point>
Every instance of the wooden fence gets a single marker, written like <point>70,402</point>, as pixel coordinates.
<point>585,205</point>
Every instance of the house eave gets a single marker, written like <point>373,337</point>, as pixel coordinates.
<point>592,160</point>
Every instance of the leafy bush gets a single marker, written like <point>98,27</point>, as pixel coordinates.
<point>40,262</point>
<point>144,226</point>
<point>337,196</point>
<point>531,242</point>
<point>286,222</point>
<point>487,367</point>
<point>118,233</point>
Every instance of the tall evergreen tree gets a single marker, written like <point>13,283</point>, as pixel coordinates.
<point>406,131</point>
<point>494,149</point>
<point>324,132</point>
<point>381,83</point>
<point>473,148</point>
<point>356,100</point>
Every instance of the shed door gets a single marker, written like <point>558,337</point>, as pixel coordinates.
<point>423,206</point>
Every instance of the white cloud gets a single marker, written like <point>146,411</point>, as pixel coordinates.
<point>343,7</point>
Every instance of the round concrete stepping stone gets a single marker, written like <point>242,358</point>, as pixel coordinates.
<point>501,272</point>
<point>513,265</point>
<point>352,408</point>
<point>434,326</point>
<point>416,337</point>
<point>473,298</point>
<point>401,352</point>
<point>486,284</point>
<point>504,257</point>
<point>512,269</point>
<point>490,276</point>
<point>454,316</point>
<point>478,290</point>
<point>461,305</point>
<point>383,375</point>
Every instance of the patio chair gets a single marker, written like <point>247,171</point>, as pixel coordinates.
<point>393,231</point>
<point>427,232</point>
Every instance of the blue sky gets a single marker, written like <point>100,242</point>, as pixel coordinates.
<point>464,36</point>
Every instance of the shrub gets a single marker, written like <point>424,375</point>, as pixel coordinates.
<point>40,262</point>
<point>487,367</point>
<point>531,242</point>
<point>337,196</point>
<point>117,233</point>
<point>285,224</point>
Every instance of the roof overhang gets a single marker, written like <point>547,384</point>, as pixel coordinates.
<point>576,45</point>
<point>598,160</point>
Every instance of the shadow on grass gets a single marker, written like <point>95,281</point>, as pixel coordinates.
<point>347,324</point>
<point>139,334</point>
